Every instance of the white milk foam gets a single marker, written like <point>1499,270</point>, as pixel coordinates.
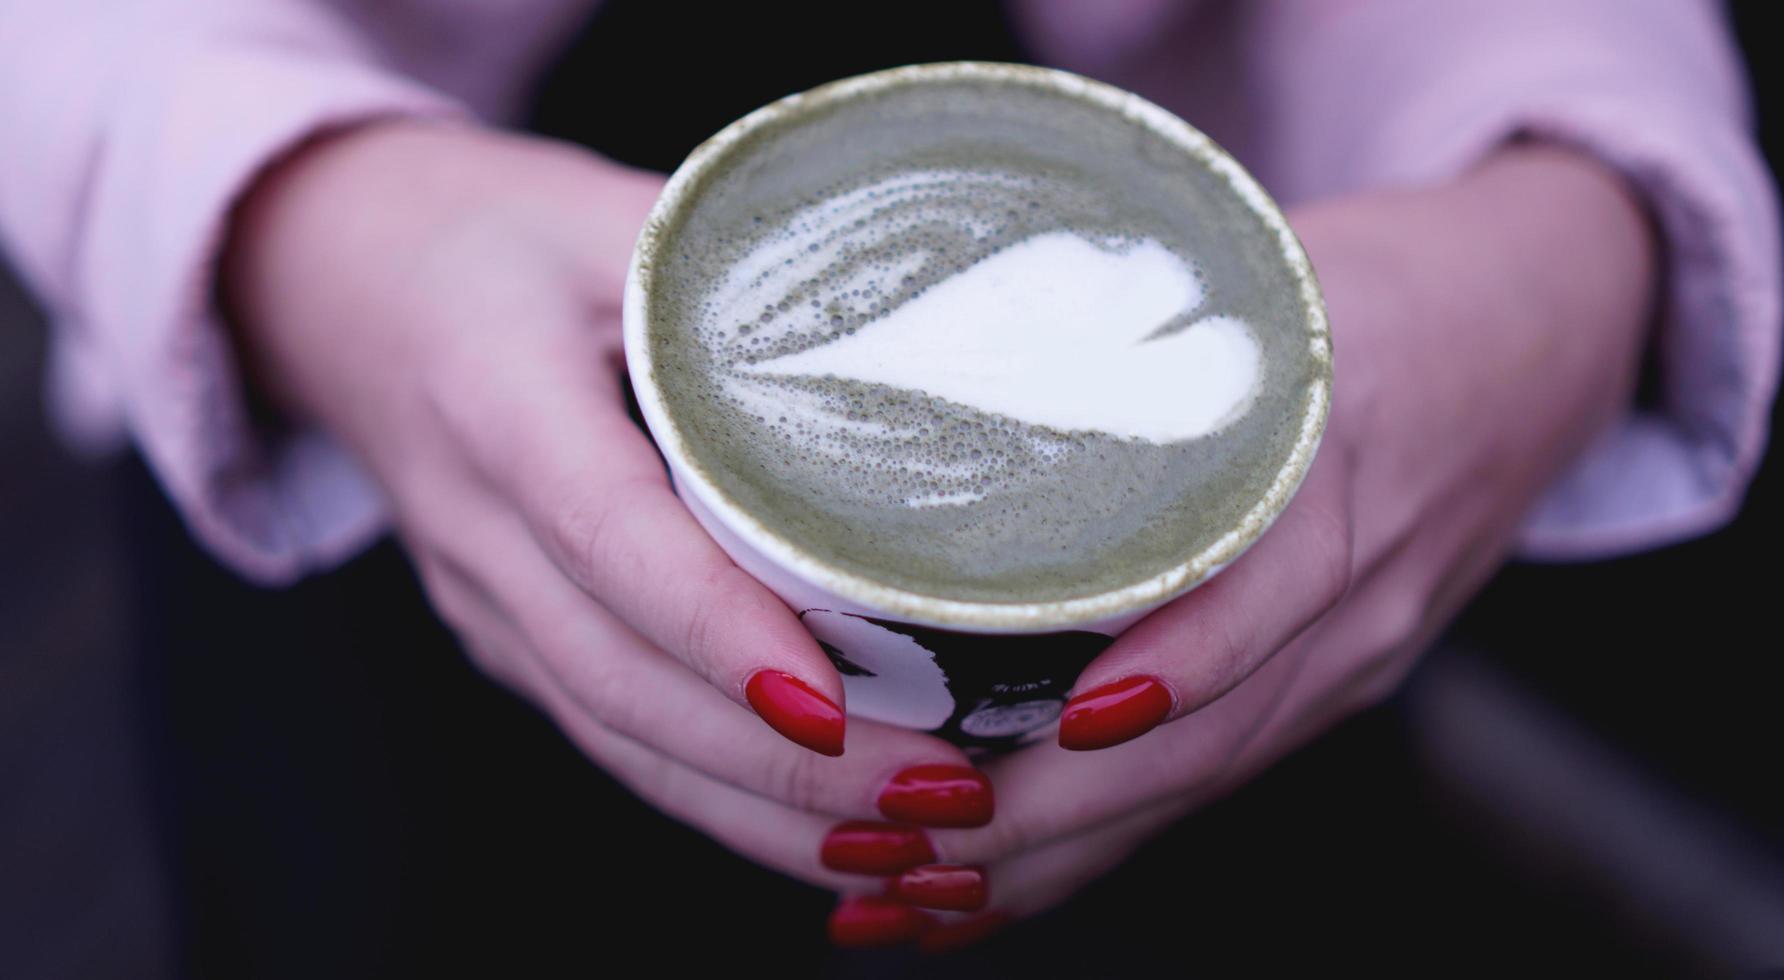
<point>1055,336</point>
<point>982,345</point>
<point>1060,332</point>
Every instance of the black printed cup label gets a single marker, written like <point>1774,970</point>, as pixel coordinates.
<point>976,690</point>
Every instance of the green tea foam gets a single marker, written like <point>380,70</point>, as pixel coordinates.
<point>986,345</point>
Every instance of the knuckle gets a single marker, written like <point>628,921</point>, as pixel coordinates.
<point>697,635</point>
<point>596,685</point>
<point>1329,551</point>
<point>583,534</point>
<point>657,777</point>
<point>1194,763</point>
<point>1232,645</point>
<point>1010,833</point>
<point>593,530</point>
<point>709,621</point>
<point>649,775</point>
<point>793,779</point>
<point>1398,621</point>
<point>1379,682</point>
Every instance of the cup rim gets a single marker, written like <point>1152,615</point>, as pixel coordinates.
<point>934,610</point>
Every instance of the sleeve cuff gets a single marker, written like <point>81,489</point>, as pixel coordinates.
<point>154,355</point>
<point>1679,467</point>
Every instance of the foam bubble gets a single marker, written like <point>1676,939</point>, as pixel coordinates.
<point>944,499</point>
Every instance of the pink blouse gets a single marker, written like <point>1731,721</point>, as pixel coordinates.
<point>127,129</point>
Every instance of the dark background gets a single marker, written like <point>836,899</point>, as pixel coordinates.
<point>1583,776</point>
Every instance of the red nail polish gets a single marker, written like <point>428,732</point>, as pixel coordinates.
<point>867,920</point>
<point>951,887</point>
<point>867,848</point>
<point>938,796</point>
<point>1114,713</point>
<point>949,936</point>
<point>790,706</point>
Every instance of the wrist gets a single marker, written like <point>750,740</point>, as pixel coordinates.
<point>338,254</point>
<point>1483,330</point>
<point>1569,233</point>
<point>302,216</point>
<point>1540,258</point>
<point>1565,273</point>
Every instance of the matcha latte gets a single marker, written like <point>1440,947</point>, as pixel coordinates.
<point>984,339</point>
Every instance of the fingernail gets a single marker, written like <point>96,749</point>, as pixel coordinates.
<point>868,920</point>
<point>949,936</point>
<point>867,848</point>
<point>1114,713</point>
<point>938,796</point>
<point>790,706</point>
<point>950,887</point>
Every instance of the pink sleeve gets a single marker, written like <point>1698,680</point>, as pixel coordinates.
<point>129,131</point>
<point>1374,92</point>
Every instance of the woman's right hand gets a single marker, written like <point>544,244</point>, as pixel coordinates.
<point>446,301</point>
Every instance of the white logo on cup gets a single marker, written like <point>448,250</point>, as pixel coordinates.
<point>902,685</point>
<point>1007,720</point>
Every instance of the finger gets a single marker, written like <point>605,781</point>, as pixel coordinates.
<point>1341,664</point>
<point>873,921</point>
<point>1040,879</point>
<point>1200,646</point>
<point>1363,651</point>
<point>552,434</point>
<point>941,887</point>
<point>1046,793</point>
<point>611,675</point>
<point>756,828</point>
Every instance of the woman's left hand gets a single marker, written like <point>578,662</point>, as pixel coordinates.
<point>1484,330</point>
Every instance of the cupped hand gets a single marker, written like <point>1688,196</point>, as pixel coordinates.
<point>446,302</point>
<point>1484,330</point>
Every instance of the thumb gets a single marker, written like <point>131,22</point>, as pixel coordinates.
<point>1198,647</point>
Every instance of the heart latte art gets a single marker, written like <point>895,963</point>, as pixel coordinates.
<point>1012,336</point>
<point>987,346</point>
